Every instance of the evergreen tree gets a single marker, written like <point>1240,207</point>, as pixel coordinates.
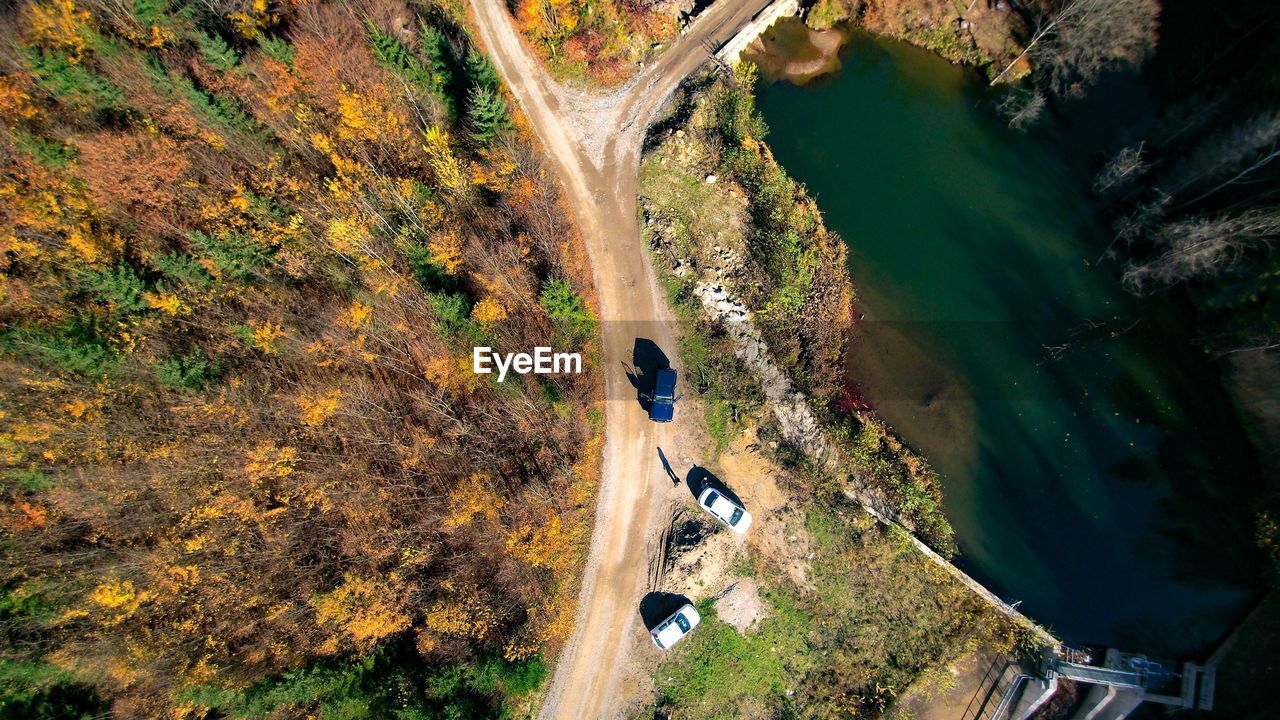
<point>480,71</point>
<point>487,115</point>
<point>217,52</point>
<point>432,76</point>
<point>435,47</point>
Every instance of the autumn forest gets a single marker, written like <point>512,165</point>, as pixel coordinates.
<point>246,250</point>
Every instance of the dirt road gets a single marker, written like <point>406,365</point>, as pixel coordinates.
<point>594,144</point>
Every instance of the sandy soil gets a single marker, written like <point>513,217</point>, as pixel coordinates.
<point>594,141</point>
<point>792,51</point>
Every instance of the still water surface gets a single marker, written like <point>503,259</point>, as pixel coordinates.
<point>1093,468</point>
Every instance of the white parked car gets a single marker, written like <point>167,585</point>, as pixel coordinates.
<point>681,623</point>
<point>725,510</point>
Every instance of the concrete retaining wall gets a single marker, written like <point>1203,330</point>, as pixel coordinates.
<point>729,53</point>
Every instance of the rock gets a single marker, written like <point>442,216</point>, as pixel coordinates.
<point>711,179</point>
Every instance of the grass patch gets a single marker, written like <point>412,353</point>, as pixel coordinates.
<point>728,391</point>
<point>717,671</point>
<point>877,617</point>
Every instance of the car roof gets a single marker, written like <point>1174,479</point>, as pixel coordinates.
<point>721,505</point>
<point>672,631</point>
<point>723,508</point>
<point>665,383</point>
<point>670,634</point>
<point>662,411</point>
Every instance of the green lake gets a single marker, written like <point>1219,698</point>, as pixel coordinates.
<point>1093,468</point>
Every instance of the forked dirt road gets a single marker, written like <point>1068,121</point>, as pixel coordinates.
<point>594,144</point>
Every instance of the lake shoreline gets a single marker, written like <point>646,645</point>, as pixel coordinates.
<point>945,409</point>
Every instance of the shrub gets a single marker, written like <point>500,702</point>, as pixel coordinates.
<point>36,690</point>
<point>75,86</point>
<point>187,372</point>
<point>29,480</point>
<point>277,49</point>
<point>50,153</point>
<point>77,345</point>
<point>184,269</point>
<point>217,52</point>
<point>237,257</point>
<point>120,288</point>
<point>573,321</point>
<point>429,273</point>
<point>453,315</point>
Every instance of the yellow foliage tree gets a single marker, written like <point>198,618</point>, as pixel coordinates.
<point>446,251</point>
<point>444,164</point>
<point>488,312</point>
<point>118,596</point>
<point>547,546</point>
<point>170,303</point>
<point>347,234</point>
<point>15,102</point>
<point>357,316</point>
<point>464,615</point>
<point>472,497</point>
<point>263,336</point>
<point>364,118</point>
<point>366,610</point>
<point>251,23</point>
<point>60,25</point>
<point>317,408</point>
<point>269,460</point>
<point>452,374</point>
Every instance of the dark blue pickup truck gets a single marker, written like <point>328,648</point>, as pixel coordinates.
<point>662,404</point>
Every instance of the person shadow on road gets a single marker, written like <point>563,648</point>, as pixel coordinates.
<point>666,465</point>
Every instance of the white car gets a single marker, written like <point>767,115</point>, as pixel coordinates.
<point>725,510</point>
<point>670,631</point>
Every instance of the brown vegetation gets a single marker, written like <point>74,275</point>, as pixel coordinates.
<point>604,40</point>
<point>978,33</point>
<point>246,251</point>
